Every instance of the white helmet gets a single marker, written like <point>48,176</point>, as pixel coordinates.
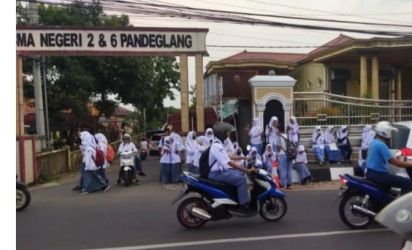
<point>384,129</point>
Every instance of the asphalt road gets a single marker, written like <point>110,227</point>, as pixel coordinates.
<point>141,217</point>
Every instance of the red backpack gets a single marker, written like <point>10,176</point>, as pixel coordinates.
<point>110,153</point>
<point>99,159</point>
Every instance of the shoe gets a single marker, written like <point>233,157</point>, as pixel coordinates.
<point>106,188</point>
<point>289,186</point>
<point>77,188</point>
<point>118,182</point>
<point>142,174</point>
<point>83,192</point>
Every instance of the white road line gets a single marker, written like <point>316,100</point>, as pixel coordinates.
<point>231,240</point>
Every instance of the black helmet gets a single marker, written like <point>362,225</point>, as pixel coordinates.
<point>221,129</point>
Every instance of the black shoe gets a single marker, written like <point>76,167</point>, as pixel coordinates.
<point>142,174</point>
<point>289,186</point>
<point>118,182</point>
<point>77,188</point>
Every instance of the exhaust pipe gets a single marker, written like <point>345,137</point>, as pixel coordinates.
<point>364,210</point>
<point>200,213</point>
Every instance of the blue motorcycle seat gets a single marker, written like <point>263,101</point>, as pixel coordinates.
<point>226,188</point>
<point>370,183</point>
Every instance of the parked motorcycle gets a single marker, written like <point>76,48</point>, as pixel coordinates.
<point>127,167</point>
<point>23,197</point>
<point>216,200</point>
<point>361,200</point>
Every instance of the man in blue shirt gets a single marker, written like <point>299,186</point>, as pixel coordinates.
<point>378,158</point>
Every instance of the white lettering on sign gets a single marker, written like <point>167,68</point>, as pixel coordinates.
<point>49,40</point>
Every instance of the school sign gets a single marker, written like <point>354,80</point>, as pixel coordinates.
<point>128,41</point>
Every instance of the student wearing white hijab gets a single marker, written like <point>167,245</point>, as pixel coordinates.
<point>255,156</point>
<point>271,132</point>
<point>168,162</point>
<point>92,181</point>
<point>300,165</point>
<point>367,137</point>
<point>209,135</point>
<point>255,134</point>
<point>201,146</point>
<point>344,143</point>
<point>332,152</point>
<point>318,144</point>
<point>285,163</point>
<point>191,147</point>
<point>228,146</point>
<point>293,130</point>
<point>102,144</point>
<point>268,157</point>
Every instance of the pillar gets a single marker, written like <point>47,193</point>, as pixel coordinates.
<point>363,76</point>
<point>200,116</point>
<point>184,94</point>
<point>19,96</point>
<point>399,84</point>
<point>375,78</point>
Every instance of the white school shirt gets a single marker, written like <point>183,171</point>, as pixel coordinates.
<point>301,157</point>
<point>144,145</point>
<point>169,155</point>
<point>103,147</point>
<point>218,156</point>
<point>191,147</point>
<point>127,147</point>
<point>89,154</point>
<point>255,135</point>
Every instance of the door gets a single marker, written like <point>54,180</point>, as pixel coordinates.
<point>274,108</point>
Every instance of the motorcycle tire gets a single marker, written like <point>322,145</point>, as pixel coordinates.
<point>184,216</point>
<point>353,219</point>
<point>23,198</point>
<point>273,208</point>
<point>127,177</point>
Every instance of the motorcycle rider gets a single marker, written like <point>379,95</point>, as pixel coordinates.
<point>125,146</point>
<point>379,156</point>
<point>223,169</point>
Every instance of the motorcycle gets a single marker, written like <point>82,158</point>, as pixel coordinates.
<point>127,167</point>
<point>23,197</point>
<point>215,200</point>
<point>361,200</point>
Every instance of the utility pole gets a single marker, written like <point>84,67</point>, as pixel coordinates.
<point>38,93</point>
<point>221,97</point>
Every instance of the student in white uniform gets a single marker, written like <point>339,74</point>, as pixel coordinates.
<point>201,146</point>
<point>255,134</point>
<point>102,144</point>
<point>209,135</point>
<point>318,144</point>
<point>332,152</point>
<point>293,130</point>
<point>191,147</point>
<point>92,180</point>
<point>300,165</point>
<point>168,159</point>
<point>127,146</point>
<point>367,137</point>
<point>271,132</point>
<point>223,169</point>
<point>344,143</point>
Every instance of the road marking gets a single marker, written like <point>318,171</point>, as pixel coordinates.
<point>232,240</point>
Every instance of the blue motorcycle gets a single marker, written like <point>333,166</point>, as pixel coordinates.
<point>361,200</point>
<point>212,201</point>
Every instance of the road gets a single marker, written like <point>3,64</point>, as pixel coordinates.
<point>141,217</point>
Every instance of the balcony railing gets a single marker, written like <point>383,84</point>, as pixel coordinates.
<point>318,108</point>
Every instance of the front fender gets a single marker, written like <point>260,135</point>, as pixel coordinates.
<point>271,192</point>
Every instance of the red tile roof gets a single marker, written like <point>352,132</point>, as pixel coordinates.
<point>333,44</point>
<point>251,56</point>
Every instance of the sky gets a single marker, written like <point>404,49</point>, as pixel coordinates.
<point>383,11</point>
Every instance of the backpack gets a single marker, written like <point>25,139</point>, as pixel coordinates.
<point>290,149</point>
<point>99,159</point>
<point>110,153</point>
<point>204,167</point>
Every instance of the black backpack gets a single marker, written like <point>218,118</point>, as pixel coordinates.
<point>204,167</point>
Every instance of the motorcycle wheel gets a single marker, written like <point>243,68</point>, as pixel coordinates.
<point>127,177</point>
<point>351,218</point>
<point>23,198</point>
<point>184,215</point>
<point>273,208</point>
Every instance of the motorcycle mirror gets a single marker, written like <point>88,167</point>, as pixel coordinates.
<point>248,147</point>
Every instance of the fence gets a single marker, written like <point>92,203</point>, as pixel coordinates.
<point>318,108</point>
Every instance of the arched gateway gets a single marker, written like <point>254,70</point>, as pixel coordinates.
<point>272,95</point>
<point>95,41</point>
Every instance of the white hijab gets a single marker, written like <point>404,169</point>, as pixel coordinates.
<point>88,140</point>
<point>256,127</point>
<point>210,135</point>
<point>259,161</point>
<point>190,142</point>
<point>329,136</point>
<point>317,136</point>
<point>294,125</point>
<point>367,136</point>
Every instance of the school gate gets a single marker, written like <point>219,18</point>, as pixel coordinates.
<point>95,41</point>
